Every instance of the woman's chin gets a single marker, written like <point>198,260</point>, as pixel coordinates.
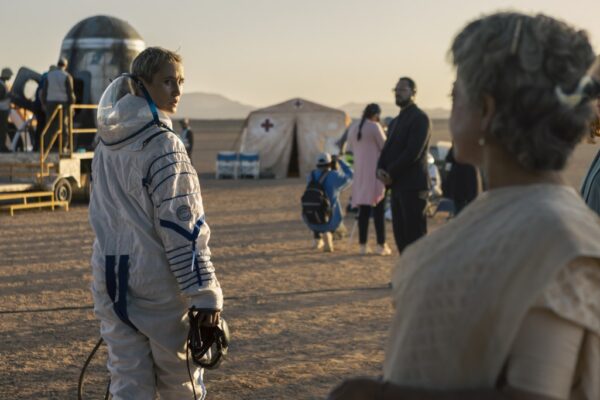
<point>169,109</point>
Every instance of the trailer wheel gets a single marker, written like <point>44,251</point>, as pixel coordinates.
<point>63,191</point>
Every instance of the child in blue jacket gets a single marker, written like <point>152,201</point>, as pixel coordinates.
<point>335,181</point>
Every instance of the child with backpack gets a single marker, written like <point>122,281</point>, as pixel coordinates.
<point>321,208</point>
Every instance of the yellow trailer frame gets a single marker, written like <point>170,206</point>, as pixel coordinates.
<point>36,204</point>
<point>44,169</point>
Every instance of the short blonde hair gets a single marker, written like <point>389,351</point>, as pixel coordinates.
<point>149,61</point>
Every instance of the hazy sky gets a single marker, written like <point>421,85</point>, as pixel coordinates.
<point>261,52</point>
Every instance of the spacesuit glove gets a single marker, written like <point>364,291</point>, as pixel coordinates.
<point>206,317</point>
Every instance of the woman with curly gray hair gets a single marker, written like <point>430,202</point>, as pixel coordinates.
<point>503,302</point>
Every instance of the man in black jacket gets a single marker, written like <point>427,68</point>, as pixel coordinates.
<point>462,183</point>
<point>402,166</point>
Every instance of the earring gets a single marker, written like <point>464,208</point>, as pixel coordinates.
<point>481,141</point>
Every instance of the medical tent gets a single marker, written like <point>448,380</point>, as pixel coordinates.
<point>289,136</point>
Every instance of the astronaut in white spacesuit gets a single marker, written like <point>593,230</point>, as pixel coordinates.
<point>151,260</point>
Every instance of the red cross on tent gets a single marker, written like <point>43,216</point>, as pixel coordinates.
<point>267,124</point>
<point>298,103</point>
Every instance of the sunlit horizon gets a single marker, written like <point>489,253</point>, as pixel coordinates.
<point>266,51</point>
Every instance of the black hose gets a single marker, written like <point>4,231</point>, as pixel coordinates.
<point>85,365</point>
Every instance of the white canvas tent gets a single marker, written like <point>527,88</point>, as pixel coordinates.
<point>289,136</point>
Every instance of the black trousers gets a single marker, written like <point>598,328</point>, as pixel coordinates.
<point>408,216</point>
<point>364,214</point>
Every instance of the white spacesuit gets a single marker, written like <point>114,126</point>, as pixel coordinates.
<point>150,260</point>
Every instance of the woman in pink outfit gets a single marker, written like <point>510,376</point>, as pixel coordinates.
<point>365,140</point>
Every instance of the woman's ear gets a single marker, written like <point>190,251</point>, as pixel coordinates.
<point>488,111</point>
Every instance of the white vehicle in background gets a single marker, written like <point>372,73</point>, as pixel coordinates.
<point>439,151</point>
<point>435,178</point>
<point>437,173</point>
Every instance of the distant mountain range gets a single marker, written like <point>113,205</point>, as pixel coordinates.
<point>215,106</point>
<point>211,106</point>
<point>389,109</point>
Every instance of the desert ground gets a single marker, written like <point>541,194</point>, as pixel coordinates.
<point>301,321</point>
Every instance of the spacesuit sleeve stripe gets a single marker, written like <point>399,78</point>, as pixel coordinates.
<point>184,274</point>
<point>206,266</point>
<point>162,156</point>
<point>181,262</point>
<point>168,177</point>
<point>187,253</point>
<point>177,248</point>
<point>167,166</point>
<point>188,274</point>
<point>203,268</point>
<point>180,268</point>
<point>176,197</point>
<point>194,277</point>
<point>191,236</point>
<point>182,231</point>
<point>192,284</point>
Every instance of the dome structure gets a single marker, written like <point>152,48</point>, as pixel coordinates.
<point>99,49</point>
<point>102,26</point>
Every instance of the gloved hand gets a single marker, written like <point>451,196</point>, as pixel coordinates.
<point>208,338</point>
<point>208,317</point>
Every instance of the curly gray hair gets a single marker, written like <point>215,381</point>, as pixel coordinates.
<point>519,61</point>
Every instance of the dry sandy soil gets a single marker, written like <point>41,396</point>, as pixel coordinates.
<point>301,321</point>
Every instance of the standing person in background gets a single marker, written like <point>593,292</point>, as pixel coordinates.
<point>38,109</point>
<point>590,189</point>
<point>386,124</point>
<point>5,76</point>
<point>333,181</point>
<point>462,183</point>
<point>58,90</point>
<point>403,166</point>
<point>365,141</point>
<point>187,136</point>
